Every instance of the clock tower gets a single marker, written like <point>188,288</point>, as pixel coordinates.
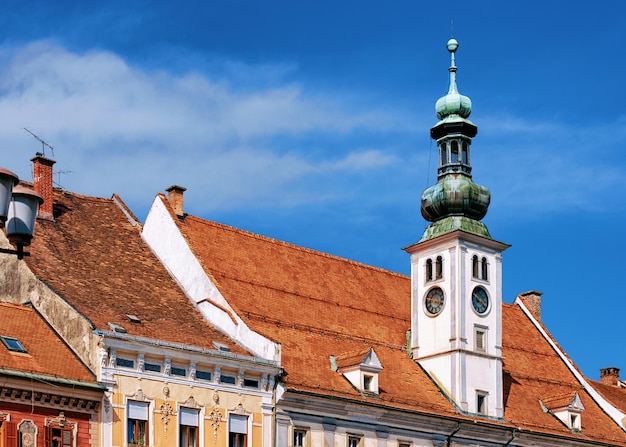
<point>456,271</point>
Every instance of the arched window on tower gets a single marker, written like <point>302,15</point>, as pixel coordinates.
<point>429,270</point>
<point>442,154</point>
<point>454,152</point>
<point>475,266</point>
<point>464,153</point>
<point>439,268</point>
<point>484,269</point>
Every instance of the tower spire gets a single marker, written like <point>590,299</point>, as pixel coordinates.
<point>456,271</point>
<point>455,202</point>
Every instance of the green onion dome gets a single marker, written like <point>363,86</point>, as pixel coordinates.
<point>455,195</point>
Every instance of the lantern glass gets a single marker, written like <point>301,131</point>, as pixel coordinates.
<point>7,181</point>
<point>22,214</point>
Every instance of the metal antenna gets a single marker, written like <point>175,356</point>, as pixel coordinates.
<point>43,143</point>
<point>63,171</point>
<point>451,28</point>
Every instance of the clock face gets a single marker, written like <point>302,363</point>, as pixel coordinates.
<point>480,300</point>
<point>433,302</point>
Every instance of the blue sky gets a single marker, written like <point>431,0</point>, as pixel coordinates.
<point>309,122</point>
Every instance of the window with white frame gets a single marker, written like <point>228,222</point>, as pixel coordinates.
<point>480,338</point>
<point>57,436</point>
<point>484,269</point>
<point>137,423</point>
<point>204,375</point>
<point>481,402</point>
<point>439,267</point>
<point>299,437</point>
<point>367,382</point>
<point>237,430</point>
<point>188,427</point>
<point>354,441</point>
<point>429,270</point>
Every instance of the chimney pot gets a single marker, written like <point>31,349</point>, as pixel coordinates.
<point>532,300</point>
<point>42,184</point>
<point>175,198</point>
<point>609,376</point>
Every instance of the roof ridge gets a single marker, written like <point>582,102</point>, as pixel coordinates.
<point>293,245</point>
<point>81,196</point>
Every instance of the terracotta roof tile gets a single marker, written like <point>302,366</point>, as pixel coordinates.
<point>616,395</point>
<point>351,358</point>
<point>46,353</point>
<point>560,401</point>
<point>94,257</point>
<point>317,305</point>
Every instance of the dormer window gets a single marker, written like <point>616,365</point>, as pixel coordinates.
<point>567,408</point>
<point>361,369</point>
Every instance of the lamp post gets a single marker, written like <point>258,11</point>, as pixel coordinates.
<point>18,212</point>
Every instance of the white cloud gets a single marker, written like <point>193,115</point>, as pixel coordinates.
<point>148,129</point>
<point>235,143</point>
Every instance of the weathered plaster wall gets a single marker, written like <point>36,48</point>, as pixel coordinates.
<point>19,285</point>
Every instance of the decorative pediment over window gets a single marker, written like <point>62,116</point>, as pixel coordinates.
<point>360,368</point>
<point>566,407</point>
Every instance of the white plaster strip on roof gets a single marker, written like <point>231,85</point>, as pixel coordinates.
<point>614,413</point>
<point>164,238</point>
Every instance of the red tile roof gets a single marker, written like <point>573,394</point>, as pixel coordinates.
<point>616,395</point>
<point>46,354</point>
<point>317,305</point>
<point>348,359</point>
<point>93,257</point>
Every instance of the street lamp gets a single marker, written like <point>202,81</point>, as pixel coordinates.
<point>18,212</point>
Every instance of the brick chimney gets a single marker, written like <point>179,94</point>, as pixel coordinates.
<point>42,184</point>
<point>175,198</point>
<point>532,300</point>
<point>609,376</point>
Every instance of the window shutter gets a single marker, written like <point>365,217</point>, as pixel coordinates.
<point>67,438</point>
<point>10,433</point>
<point>238,424</point>
<point>137,410</point>
<point>188,417</point>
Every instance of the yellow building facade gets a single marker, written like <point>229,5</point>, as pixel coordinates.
<point>172,397</point>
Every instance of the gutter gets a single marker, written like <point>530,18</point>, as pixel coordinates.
<point>58,380</point>
<point>187,348</point>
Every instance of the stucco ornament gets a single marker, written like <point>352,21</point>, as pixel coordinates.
<point>166,411</point>
<point>215,416</point>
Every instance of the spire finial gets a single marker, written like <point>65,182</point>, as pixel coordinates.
<point>452,46</point>
<point>453,102</point>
